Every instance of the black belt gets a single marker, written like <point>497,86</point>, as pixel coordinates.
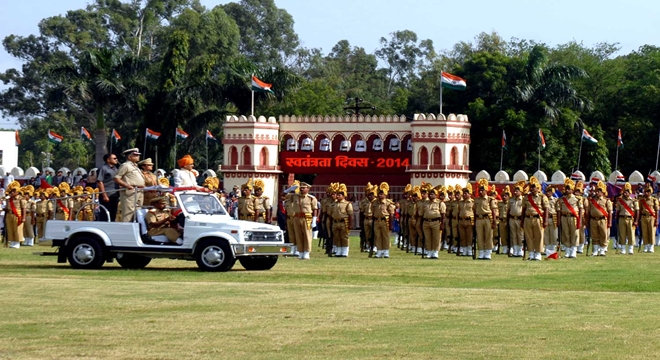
<point>434,219</point>
<point>482,217</point>
<point>598,218</point>
<point>568,214</point>
<point>381,219</point>
<point>516,217</point>
<point>340,221</point>
<point>532,216</point>
<point>647,215</point>
<point>625,217</point>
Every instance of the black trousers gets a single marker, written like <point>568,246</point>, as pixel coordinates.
<point>111,205</point>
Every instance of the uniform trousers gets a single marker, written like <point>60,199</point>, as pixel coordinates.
<point>303,234</point>
<point>516,232</point>
<point>550,232</point>
<point>41,226</point>
<point>432,235</point>
<point>598,231</point>
<point>412,229</point>
<point>129,203</point>
<point>647,223</point>
<point>340,233</point>
<point>291,231</point>
<point>569,231</point>
<point>28,228</point>
<point>626,231</point>
<point>533,229</point>
<point>382,234</point>
<point>465,232</point>
<point>484,234</point>
<point>504,232</point>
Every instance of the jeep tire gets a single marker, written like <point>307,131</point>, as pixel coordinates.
<point>214,255</point>
<point>85,253</point>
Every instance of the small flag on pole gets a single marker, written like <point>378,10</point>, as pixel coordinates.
<point>210,136</point>
<point>152,135</point>
<point>503,139</point>
<point>260,86</point>
<point>115,135</point>
<point>619,140</point>
<point>453,82</point>
<point>18,139</point>
<point>588,137</point>
<point>180,134</point>
<point>541,138</point>
<point>85,134</point>
<point>54,137</point>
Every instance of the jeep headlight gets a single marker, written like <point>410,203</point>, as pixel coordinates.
<point>247,235</point>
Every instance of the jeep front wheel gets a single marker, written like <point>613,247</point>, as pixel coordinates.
<point>85,253</point>
<point>214,255</point>
<point>258,262</point>
<point>133,261</point>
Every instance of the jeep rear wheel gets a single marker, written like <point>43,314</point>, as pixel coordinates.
<point>258,262</point>
<point>133,261</point>
<point>85,253</point>
<point>214,255</point>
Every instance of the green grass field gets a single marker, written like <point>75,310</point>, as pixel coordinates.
<point>327,308</point>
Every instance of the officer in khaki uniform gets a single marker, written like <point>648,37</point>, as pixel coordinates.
<point>291,210</point>
<point>516,232</point>
<point>63,205</point>
<point>264,207</point>
<point>627,210</point>
<point>130,178</point>
<point>413,236</point>
<point>365,211</point>
<point>403,214</point>
<point>325,217</point>
<point>550,231</point>
<point>485,211</point>
<point>449,205</point>
<point>648,209</point>
<point>160,221</point>
<point>570,216</point>
<point>599,218</point>
<point>247,204</point>
<point>434,217</point>
<point>30,215</point>
<point>458,197</point>
<point>503,223</point>
<point>466,221</point>
<point>579,193</point>
<point>420,206</point>
<point>535,211</point>
<point>44,212</point>
<point>14,213</point>
<point>305,209</point>
<point>383,212</point>
<point>342,219</point>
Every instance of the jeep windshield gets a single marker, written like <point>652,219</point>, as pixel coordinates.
<point>202,204</point>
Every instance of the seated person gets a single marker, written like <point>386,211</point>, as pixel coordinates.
<point>378,144</point>
<point>160,221</point>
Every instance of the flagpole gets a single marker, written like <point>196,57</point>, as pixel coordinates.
<point>580,153</point>
<point>174,160</point>
<point>207,150</point>
<point>439,115</point>
<point>112,133</point>
<point>156,157</point>
<point>501,156</point>
<point>252,102</point>
<point>538,168</point>
<point>616,161</point>
<point>658,153</point>
<point>144,149</point>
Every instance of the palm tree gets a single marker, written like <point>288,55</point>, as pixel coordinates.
<point>93,83</point>
<point>548,85</point>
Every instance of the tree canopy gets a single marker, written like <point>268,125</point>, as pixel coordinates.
<point>168,64</point>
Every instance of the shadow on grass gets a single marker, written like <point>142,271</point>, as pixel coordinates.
<point>5,267</point>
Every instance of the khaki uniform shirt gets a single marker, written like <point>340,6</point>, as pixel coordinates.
<point>651,203</point>
<point>130,173</point>
<point>604,203</point>
<point>383,208</point>
<point>515,206</point>
<point>541,202</point>
<point>43,207</point>
<point>411,209</point>
<point>503,209</point>
<point>365,208</point>
<point>632,204</point>
<point>247,205</point>
<point>466,208</point>
<point>434,209</point>
<point>484,206</point>
<point>572,200</point>
<point>342,210</point>
<point>155,215</point>
<point>421,205</point>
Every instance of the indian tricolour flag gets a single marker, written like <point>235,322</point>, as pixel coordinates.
<point>588,137</point>
<point>115,135</point>
<point>85,134</point>
<point>210,136</point>
<point>454,82</point>
<point>152,135</point>
<point>260,86</point>
<point>542,138</point>
<point>180,134</point>
<point>54,137</point>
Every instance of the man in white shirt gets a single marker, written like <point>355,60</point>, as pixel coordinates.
<point>8,180</point>
<point>185,176</point>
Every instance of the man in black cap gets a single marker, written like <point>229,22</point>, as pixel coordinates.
<point>130,178</point>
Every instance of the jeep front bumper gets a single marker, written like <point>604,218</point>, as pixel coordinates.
<point>262,249</point>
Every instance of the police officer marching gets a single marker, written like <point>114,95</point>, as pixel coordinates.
<point>434,217</point>
<point>485,211</point>
<point>342,218</point>
<point>599,219</point>
<point>627,210</point>
<point>535,212</point>
<point>383,213</point>
<point>570,217</point>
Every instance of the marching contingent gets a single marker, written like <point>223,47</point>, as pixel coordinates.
<point>528,221</point>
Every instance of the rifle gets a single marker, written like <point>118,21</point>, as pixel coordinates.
<point>372,239</point>
<point>407,238</point>
<point>450,240</point>
<point>587,239</point>
<point>499,237</point>
<point>421,226</point>
<point>524,248</point>
<point>363,235</point>
<point>321,230</point>
<point>509,250</point>
<point>328,240</point>
<point>458,240</point>
<point>558,248</point>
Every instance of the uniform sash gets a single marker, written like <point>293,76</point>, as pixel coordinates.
<point>572,210</point>
<point>13,209</point>
<point>536,207</point>
<point>599,208</point>
<point>646,206</point>
<point>64,208</point>
<point>628,209</point>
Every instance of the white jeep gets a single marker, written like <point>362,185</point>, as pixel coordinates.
<point>210,237</point>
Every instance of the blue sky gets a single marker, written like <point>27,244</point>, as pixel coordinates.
<point>321,24</point>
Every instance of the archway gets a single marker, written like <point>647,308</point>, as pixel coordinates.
<point>247,156</point>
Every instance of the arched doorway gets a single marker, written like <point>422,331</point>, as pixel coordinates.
<point>247,156</point>
<point>423,156</point>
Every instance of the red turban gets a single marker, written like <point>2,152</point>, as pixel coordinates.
<point>186,160</point>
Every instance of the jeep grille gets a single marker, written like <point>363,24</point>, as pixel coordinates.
<point>263,236</point>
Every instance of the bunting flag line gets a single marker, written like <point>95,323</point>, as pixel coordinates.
<point>54,137</point>
<point>180,134</point>
<point>210,136</point>
<point>115,135</point>
<point>542,138</point>
<point>152,135</point>
<point>18,138</point>
<point>619,140</point>
<point>85,134</point>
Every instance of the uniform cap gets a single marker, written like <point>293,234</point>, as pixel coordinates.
<point>133,151</point>
<point>146,161</point>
